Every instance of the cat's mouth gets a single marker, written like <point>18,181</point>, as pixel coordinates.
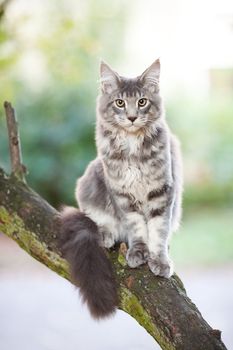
<point>133,128</point>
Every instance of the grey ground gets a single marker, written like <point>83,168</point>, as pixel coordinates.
<point>41,311</point>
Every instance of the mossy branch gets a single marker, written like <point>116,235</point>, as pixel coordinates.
<point>161,306</point>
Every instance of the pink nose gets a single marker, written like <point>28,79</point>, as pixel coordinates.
<point>132,119</point>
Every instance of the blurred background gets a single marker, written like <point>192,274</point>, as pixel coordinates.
<point>49,63</point>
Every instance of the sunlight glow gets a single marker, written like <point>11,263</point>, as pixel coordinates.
<point>190,37</point>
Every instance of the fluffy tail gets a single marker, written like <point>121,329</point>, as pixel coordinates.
<point>91,270</point>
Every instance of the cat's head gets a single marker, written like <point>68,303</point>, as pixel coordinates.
<point>130,104</point>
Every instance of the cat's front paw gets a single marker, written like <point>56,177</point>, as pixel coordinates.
<point>161,266</point>
<point>137,255</point>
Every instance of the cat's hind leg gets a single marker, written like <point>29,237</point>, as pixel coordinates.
<point>108,226</point>
<point>95,201</point>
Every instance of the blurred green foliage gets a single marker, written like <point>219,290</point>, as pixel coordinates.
<point>205,129</point>
<point>57,113</point>
<point>205,238</point>
<point>49,57</point>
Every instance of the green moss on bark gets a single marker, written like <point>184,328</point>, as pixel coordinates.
<point>13,226</point>
<point>160,305</point>
<point>130,303</point>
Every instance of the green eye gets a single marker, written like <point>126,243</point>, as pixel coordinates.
<point>142,102</point>
<point>120,103</point>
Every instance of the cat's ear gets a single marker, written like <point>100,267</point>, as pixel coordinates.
<point>108,78</point>
<point>150,77</point>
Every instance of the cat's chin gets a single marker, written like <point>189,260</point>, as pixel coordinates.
<point>133,129</point>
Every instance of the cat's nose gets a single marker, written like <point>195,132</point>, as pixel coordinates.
<point>132,119</point>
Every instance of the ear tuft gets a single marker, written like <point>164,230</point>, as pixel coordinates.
<point>150,77</point>
<point>108,78</point>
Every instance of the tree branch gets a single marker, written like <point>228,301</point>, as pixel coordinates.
<point>17,166</point>
<point>160,305</point>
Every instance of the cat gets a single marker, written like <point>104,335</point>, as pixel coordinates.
<point>131,192</point>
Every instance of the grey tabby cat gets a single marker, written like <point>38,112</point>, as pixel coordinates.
<point>131,192</point>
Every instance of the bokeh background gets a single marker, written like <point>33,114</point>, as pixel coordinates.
<point>49,60</point>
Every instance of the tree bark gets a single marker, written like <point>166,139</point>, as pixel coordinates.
<point>160,305</point>
<point>17,166</point>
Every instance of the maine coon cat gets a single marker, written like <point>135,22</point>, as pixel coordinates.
<point>131,192</point>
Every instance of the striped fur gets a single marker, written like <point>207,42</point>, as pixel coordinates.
<point>132,190</point>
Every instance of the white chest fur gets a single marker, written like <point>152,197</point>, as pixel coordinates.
<point>135,180</point>
<point>134,176</point>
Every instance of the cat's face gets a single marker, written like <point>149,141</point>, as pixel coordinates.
<point>130,104</point>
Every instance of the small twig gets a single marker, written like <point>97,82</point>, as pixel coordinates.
<point>17,166</point>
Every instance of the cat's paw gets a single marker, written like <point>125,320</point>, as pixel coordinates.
<point>137,255</point>
<point>161,266</point>
<point>107,239</point>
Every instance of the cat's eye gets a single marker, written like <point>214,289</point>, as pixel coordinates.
<point>142,102</point>
<point>120,103</point>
